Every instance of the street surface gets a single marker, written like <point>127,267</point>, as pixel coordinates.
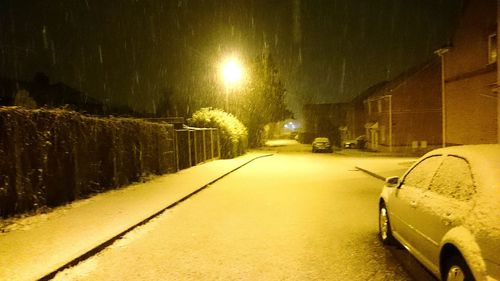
<point>291,216</point>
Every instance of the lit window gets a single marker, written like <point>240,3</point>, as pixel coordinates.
<point>379,106</point>
<point>492,48</point>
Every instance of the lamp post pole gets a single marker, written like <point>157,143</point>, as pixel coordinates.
<point>440,53</point>
<point>227,99</point>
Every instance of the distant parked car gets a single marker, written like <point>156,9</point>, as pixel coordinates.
<point>446,211</point>
<point>359,142</point>
<point>321,144</point>
<point>349,144</point>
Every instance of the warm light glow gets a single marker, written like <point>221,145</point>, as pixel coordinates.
<point>232,72</point>
<point>291,126</point>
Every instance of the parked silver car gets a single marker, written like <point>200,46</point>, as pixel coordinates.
<point>321,144</point>
<point>446,211</point>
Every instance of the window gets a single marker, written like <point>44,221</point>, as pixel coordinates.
<point>379,106</point>
<point>453,179</point>
<point>369,107</point>
<point>492,48</point>
<point>420,176</point>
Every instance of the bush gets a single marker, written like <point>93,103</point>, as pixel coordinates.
<point>233,134</point>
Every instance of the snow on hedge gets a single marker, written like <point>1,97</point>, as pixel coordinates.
<point>233,134</point>
<point>53,156</point>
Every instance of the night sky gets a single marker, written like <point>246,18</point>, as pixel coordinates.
<point>133,51</point>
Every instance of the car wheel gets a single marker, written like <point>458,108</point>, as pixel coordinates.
<point>456,269</point>
<point>384,226</point>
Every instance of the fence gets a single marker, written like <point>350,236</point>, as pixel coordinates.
<point>196,145</point>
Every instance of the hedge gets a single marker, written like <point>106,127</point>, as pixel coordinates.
<point>50,157</point>
<point>233,134</point>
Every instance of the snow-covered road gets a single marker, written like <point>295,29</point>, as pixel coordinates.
<point>295,216</point>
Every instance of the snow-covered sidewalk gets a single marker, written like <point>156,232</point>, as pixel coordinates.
<point>41,244</point>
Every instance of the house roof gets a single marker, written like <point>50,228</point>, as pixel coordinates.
<point>368,92</point>
<point>57,94</point>
<point>404,76</point>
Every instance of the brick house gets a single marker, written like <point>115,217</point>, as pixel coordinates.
<point>405,114</point>
<point>470,77</point>
<point>356,114</point>
<point>496,89</point>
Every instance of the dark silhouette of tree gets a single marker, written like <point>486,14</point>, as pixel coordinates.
<point>41,79</point>
<point>164,106</point>
<point>41,90</point>
<point>263,101</point>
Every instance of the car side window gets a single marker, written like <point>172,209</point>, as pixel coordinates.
<point>420,176</point>
<point>454,179</point>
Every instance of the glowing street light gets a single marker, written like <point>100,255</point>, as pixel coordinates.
<point>232,72</point>
<point>232,75</point>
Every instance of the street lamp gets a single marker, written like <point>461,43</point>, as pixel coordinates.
<point>232,75</point>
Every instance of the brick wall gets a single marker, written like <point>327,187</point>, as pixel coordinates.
<point>413,102</point>
<point>470,78</point>
<point>471,111</point>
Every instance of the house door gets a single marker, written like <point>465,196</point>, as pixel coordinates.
<point>374,139</point>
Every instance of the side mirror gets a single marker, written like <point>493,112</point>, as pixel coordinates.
<point>392,181</point>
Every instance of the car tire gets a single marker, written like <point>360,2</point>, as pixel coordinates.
<point>456,269</point>
<point>384,226</point>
